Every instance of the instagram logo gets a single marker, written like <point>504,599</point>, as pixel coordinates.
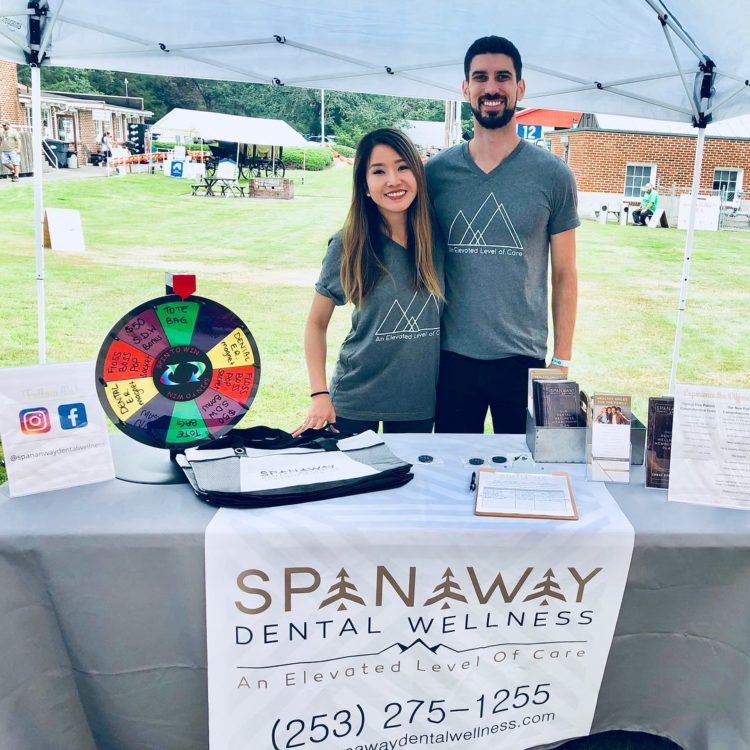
<point>34,421</point>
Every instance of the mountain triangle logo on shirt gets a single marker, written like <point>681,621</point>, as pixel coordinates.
<point>489,227</point>
<point>412,319</point>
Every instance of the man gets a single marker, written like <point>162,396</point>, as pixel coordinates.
<point>507,210</point>
<point>649,204</point>
<point>10,150</point>
<point>107,144</point>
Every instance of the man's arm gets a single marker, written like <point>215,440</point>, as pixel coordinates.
<point>564,293</point>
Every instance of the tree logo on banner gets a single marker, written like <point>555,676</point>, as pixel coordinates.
<point>546,588</point>
<point>343,589</point>
<point>448,589</point>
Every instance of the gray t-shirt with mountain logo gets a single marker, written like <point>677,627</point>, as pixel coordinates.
<point>388,364</point>
<point>498,229</point>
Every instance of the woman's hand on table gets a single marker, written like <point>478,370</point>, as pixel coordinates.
<point>321,413</point>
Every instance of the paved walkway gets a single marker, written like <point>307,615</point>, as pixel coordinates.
<point>55,175</point>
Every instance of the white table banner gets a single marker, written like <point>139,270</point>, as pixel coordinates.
<point>400,618</point>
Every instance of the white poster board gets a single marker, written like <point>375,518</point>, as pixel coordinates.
<point>706,212</point>
<point>63,230</point>
<point>53,428</point>
<point>710,463</point>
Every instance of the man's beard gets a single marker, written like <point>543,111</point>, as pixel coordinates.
<point>494,121</point>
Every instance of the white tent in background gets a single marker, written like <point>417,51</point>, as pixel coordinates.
<point>426,135</point>
<point>214,126</point>
<point>632,57</point>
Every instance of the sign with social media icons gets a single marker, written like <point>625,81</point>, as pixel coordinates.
<point>53,428</point>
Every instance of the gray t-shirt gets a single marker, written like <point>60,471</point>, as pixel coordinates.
<point>497,227</point>
<point>387,367</point>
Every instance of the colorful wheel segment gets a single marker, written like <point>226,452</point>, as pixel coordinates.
<point>176,373</point>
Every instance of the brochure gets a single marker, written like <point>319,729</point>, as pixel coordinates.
<point>710,462</point>
<point>659,442</point>
<point>610,438</point>
<point>541,373</point>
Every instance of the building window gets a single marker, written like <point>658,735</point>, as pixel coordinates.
<point>727,183</point>
<point>636,178</point>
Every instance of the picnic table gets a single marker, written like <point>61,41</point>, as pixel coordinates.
<point>224,180</point>
<point>218,186</point>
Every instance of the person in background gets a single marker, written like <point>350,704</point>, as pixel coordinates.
<point>107,144</point>
<point>649,204</point>
<point>10,150</point>
<point>386,263</point>
<point>508,211</point>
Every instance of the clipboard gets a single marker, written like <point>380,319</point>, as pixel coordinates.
<point>509,495</point>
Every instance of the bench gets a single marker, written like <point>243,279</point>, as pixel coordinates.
<point>231,187</point>
<point>609,212</point>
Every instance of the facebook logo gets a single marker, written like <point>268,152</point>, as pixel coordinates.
<point>72,416</point>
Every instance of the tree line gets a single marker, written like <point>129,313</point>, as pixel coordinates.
<point>348,115</point>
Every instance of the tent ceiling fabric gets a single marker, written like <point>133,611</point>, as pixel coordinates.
<point>578,56</point>
<point>212,126</point>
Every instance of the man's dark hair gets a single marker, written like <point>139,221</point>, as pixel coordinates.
<point>493,45</point>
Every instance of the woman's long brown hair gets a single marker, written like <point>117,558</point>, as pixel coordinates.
<point>361,260</point>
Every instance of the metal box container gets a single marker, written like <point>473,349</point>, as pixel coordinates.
<point>567,445</point>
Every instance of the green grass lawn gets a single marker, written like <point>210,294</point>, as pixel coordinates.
<point>260,258</point>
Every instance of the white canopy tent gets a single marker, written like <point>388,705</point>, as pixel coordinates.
<point>685,60</point>
<point>213,126</point>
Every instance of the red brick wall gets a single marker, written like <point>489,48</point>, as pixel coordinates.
<point>599,158</point>
<point>86,136</point>
<point>9,106</point>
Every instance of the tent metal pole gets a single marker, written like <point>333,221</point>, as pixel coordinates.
<point>688,253</point>
<point>737,92</point>
<point>36,147</point>
<point>612,90</point>
<point>48,27</point>
<point>689,94</point>
<point>669,20</point>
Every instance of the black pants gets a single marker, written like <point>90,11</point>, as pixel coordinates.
<point>640,217</point>
<point>354,426</point>
<point>468,387</point>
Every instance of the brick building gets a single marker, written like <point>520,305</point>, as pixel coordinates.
<point>614,156</point>
<point>79,120</point>
<point>10,107</point>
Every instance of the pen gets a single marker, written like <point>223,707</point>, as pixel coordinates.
<point>473,482</point>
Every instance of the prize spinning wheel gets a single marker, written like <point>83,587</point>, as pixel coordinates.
<point>177,372</point>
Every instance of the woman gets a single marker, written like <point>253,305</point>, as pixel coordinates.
<point>384,263</point>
